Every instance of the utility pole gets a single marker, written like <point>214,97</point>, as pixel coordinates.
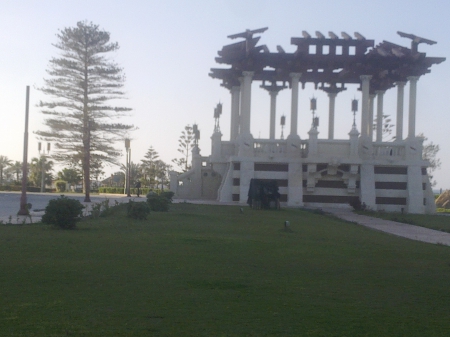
<point>23,198</point>
<point>127,173</point>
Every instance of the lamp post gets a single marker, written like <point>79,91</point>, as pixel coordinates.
<point>43,164</point>
<point>127,174</point>
<point>315,120</point>
<point>354,110</point>
<point>23,198</point>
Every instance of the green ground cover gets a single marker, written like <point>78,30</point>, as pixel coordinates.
<point>202,270</point>
<point>439,221</point>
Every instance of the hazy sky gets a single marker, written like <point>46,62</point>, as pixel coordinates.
<point>168,47</point>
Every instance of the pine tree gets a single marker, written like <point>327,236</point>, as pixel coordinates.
<point>185,145</point>
<point>148,166</point>
<point>82,82</point>
<point>429,153</point>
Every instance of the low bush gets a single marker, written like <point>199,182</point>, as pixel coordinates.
<point>63,212</point>
<point>61,185</point>
<point>357,205</point>
<point>158,203</point>
<point>137,210</point>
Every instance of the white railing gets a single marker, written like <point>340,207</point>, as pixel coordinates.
<point>389,150</point>
<point>333,147</point>
<point>276,148</point>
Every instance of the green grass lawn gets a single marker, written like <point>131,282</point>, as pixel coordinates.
<point>211,271</point>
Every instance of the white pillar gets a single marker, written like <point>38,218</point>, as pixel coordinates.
<point>332,96</point>
<point>365,87</point>
<point>235,101</point>
<point>380,94</point>
<point>246,94</point>
<point>412,106</point>
<point>371,103</point>
<point>273,109</point>
<point>399,119</point>
<point>294,104</point>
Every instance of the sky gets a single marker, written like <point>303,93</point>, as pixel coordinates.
<point>167,49</point>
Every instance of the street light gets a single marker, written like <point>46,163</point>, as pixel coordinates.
<point>127,174</point>
<point>43,164</point>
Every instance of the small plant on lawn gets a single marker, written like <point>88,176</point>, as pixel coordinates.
<point>63,212</point>
<point>159,203</point>
<point>101,209</point>
<point>137,210</point>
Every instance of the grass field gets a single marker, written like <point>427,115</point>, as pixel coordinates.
<point>211,271</point>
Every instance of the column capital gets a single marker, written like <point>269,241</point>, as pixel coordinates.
<point>372,96</point>
<point>273,93</point>
<point>400,83</point>
<point>235,88</point>
<point>413,78</point>
<point>332,94</point>
<point>365,77</point>
<point>295,76</point>
<point>248,73</point>
<point>379,92</point>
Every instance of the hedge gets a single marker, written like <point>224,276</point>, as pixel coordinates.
<point>133,191</point>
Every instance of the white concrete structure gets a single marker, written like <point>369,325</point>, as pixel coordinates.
<point>312,171</point>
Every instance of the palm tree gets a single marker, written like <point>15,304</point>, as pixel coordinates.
<point>36,171</point>
<point>135,172</point>
<point>16,168</point>
<point>4,162</point>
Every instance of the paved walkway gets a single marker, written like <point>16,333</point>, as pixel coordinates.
<point>396,228</point>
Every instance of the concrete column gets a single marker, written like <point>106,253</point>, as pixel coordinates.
<point>412,106</point>
<point>196,178</point>
<point>247,173</point>
<point>295,184</point>
<point>294,104</point>
<point>380,94</point>
<point>235,101</point>
<point>354,134</point>
<point>415,191</point>
<point>367,185</point>
<point>365,87</point>
<point>273,109</point>
<point>313,146</point>
<point>216,146</point>
<point>399,119</point>
<point>332,96</point>
<point>246,94</point>
<point>371,103</point>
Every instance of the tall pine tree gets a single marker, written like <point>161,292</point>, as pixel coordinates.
<point>82,82</point>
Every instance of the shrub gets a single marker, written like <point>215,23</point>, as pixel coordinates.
<point>101,208</point>
<point>63,212</point>
<point>168,195</point>
<point>158,203</point>
<point>357,205</point>
<point>60,185</point>
<point>137,210</point>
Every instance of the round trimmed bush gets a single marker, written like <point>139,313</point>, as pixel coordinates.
<point>63,212</point>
